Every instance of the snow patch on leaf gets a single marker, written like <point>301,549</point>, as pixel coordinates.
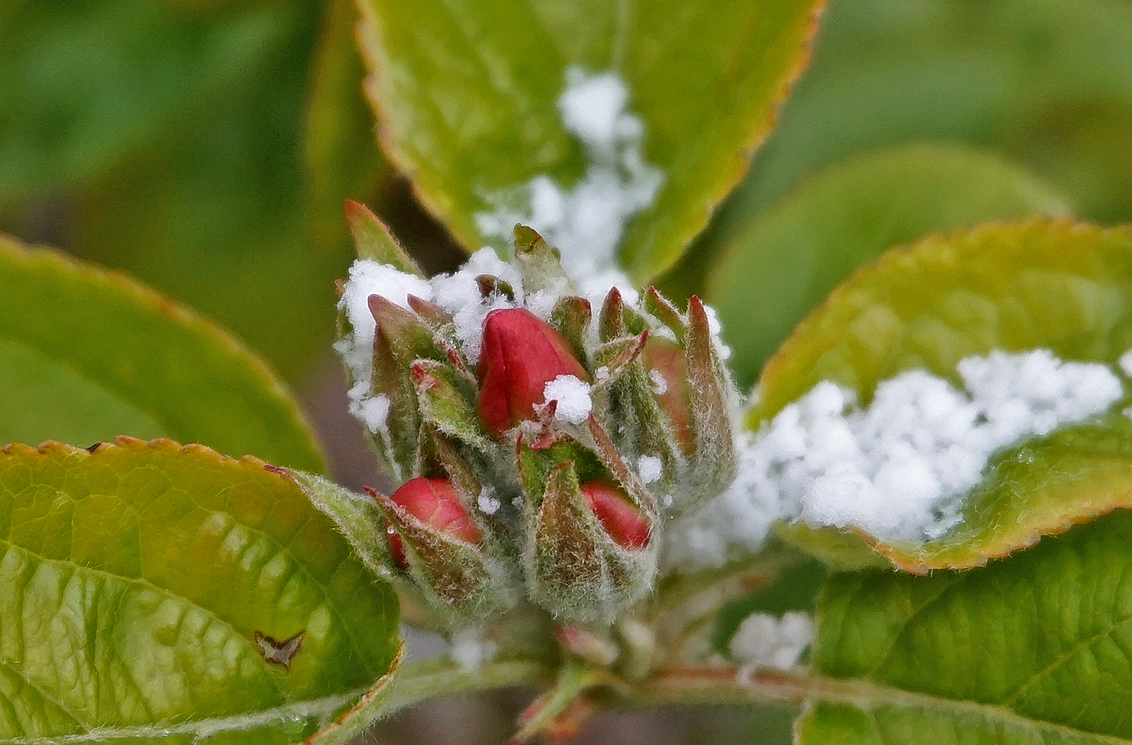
<point>897,468</point>
<point>586,220</point>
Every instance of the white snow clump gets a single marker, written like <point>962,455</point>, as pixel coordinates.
<point>764,641</point>
<point>897,468</point>
<point>470,648</point>
<point>571,396</point>
<point>586,220</point>
<point>650,468</point>
<point>457,293</point>
<point>460,295</point>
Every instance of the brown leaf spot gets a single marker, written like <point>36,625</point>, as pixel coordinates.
<point>279,652</point>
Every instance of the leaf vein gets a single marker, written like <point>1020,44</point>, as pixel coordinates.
<point>1062,659</point>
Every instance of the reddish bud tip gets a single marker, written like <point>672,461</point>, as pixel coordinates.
<point>668,374</point>
<point>620,519</point>
<point>421,376</point>
<point>436,503</point>
<point>520,355</point>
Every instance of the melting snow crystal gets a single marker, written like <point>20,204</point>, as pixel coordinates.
<point>765,641</point>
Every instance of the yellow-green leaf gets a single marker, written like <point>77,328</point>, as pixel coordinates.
<point>86,355</point>
<point>1030,650</point>
<point>467,97</point>
<point>784,261</point>
<point>340,150</point>
<point>1056,285</point>
<point>140,582</point>
<point>212,214</point>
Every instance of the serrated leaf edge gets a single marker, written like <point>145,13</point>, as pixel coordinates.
<point>757,415</point>
<point>368,709</point>
<point>911,558</point>
<point>910,700</point>
<point>253,466</point>
<point>741,158</point>
<point>368,37</point>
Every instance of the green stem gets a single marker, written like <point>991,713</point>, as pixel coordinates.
<point>726,685</point>
<point>721,685</point>
<point>425,679</point>
<point>440,676</point>
<point>574,678</point>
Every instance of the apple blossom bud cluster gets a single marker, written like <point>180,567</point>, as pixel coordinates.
<point>540,446</point>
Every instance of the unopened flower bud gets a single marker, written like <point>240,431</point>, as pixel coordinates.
<point>566,440</point>
<point>436,503</point>
<point>520,355</point>
<point>589,553</point>
<point>668,378</point>
<point>620,518</point>
<point>435,541</point>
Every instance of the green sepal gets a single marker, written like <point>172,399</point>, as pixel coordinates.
<point>431,313</point>
<point>573,568</point>
<point>659,307</point>
<point>408,336</point>
<point>571,318</point>
<point>630,397</point>
<point>372,240</point>
<point>616,356</point>
<point>475,476</point>
<point>446,400</point>
<point>712,464</point>
<point>401,339</point>
<point>539,262</point>
<point>610,457</point>
<point>611,319</point>
<point>492,285</point>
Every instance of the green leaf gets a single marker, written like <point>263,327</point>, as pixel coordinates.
<point>467,95</point>
<point>785,261</point>
<point>340,150</point>
<point>356,516</point>
<point>86,355</point>
<point>1029,650</point>
<point>1057,285</point>
<point>135,579</point>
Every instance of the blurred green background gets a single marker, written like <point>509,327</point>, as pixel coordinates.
<point>206,146</point>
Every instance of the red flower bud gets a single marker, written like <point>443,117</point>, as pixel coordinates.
<point>668,373</point>
<point>620,519</point>
<point>435,502</point>
<point>520,355</point>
